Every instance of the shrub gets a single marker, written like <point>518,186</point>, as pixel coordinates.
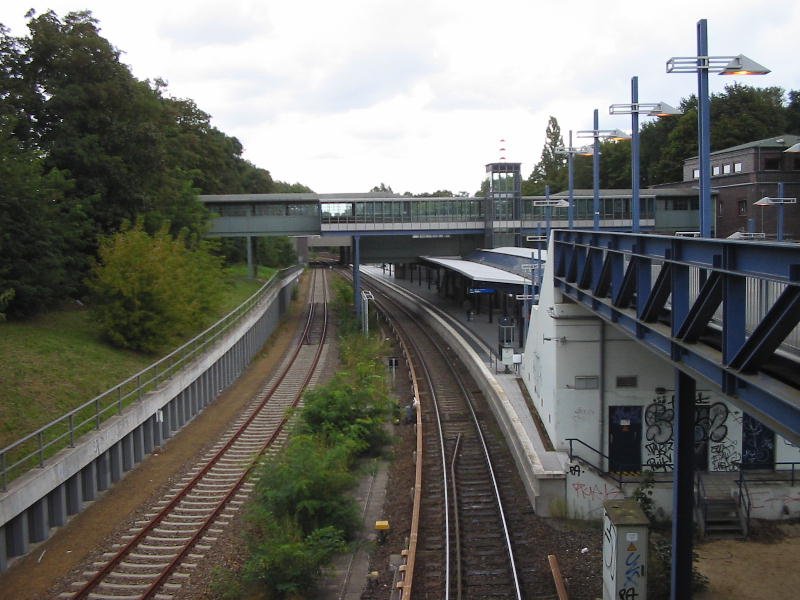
<point>149,291</point>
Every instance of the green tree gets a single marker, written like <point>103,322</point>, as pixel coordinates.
<point>793,113</point>
<point>382,188</point>
<point>307,483</point>
<point>151,291</point>
<point>284,562</point>
<point>34,267</point>
<point>552,167</point>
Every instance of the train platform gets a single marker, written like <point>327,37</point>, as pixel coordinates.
<point>483,332</point>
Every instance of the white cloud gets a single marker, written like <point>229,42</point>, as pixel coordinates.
<point>417,93</point>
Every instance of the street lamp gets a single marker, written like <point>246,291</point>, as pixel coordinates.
<point>635,108</point>
<point>597,133</point>
<point>703,64</point>
<point>570,151</point>
<point>779,202</point>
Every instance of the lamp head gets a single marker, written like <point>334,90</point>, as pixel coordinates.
<point>795,148</point>
<point>662,109</point>
<point>765,201</point>
<point>616,135</point>
<point>741,65</point>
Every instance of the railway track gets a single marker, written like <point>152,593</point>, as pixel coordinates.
<point>473,539</point>
<point>159,552</point>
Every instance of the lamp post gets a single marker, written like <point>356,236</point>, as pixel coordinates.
<point>548,208</point>
<point>570,151</point>
<point>597,133</point>
<point>634,109</point>
<point>779,202</point>
<point>703,64</point>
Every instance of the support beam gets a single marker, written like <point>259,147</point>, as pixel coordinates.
<point>682,492</point>
<point>357,275</point>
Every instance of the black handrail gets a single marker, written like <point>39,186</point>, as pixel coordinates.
<point>745,502</point>
<point>572,455</point>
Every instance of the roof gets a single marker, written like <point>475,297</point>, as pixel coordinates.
<point>778,141</point>
<point>521,252</point>
<point>478,272</point>
<point>627,193</point>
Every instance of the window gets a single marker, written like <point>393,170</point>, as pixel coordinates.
<point>627,381</point>
<point>587,382</point>
<point>737,167</point>
<point>741,208</point>
<point>696,173</point>
<point>772,164</point>
<point>715,170</point>
<point>796,163</point>
<point>726,169</point>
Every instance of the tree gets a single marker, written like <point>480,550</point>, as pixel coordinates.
<point>552,167</point>
<point>382,188</point>
<point>34,268</point>
<point>151,291</point>
<point>793,113</point>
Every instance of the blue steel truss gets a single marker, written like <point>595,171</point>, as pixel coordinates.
<point>687,300</point>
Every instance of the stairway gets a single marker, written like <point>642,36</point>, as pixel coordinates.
<point>722,518</point>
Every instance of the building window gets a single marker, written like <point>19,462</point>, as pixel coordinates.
<point>715,170</point>
<point>627,381</point>
<point>587,382</point>
<point>726,169</point>
<point>796,163</point>
<point>772,164</point>
<point>737,167</point>
<point>696,173</point>
<point>741,208</point>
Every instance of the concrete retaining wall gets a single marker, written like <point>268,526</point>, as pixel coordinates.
<point>46,497</point>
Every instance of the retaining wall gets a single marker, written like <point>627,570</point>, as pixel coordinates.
<point>45,498</point>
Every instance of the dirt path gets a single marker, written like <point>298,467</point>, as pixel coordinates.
<point>752,570</point>
<point>41,573</point>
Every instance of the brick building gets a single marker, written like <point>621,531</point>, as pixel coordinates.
<point>743,174</point>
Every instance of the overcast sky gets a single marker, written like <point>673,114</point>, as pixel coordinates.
<point>343,95</point>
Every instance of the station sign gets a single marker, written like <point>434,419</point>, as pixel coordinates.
<point>480,290</point>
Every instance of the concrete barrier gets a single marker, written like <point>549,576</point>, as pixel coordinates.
<point>45,497</point>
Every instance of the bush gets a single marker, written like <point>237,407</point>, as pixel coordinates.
<point>150,291</point>
<point>286,563</point>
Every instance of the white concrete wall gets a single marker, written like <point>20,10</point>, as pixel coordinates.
<point>564,341</point>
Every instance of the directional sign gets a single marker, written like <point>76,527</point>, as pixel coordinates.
<point>480,291</point>
<point>524,297</point>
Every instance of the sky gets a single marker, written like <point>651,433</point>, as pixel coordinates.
<point>421,94</point>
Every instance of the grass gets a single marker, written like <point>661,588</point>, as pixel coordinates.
<point>57,361</point>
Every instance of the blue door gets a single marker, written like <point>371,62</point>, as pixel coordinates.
<point>625,439</point>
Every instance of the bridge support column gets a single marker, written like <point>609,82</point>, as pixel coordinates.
<point>682,491</point>
<point>357,275</point>
<point>57,506</point>
<point>251,263</point>
<point>38,521</point>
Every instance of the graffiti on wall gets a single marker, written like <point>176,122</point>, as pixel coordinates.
<point>658,419</point>
<point>713,443</point>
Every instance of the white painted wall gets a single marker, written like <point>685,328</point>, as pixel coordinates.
<point>564,341</point>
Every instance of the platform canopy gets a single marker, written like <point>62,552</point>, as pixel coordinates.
<point>478,272</point>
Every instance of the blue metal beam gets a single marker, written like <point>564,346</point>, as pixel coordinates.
<point>726,265</point>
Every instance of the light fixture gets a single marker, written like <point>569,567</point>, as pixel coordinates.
<point>636,108</point>
<point>793,148</point>
<point>703,64</point>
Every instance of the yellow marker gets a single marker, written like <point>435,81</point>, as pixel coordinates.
<point>382,525</point>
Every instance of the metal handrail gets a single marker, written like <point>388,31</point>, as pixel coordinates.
<point>618,479</point>
<point>792,472</point>
<point>700,502</point>
<point>62,432</point>
<point>745,502</point>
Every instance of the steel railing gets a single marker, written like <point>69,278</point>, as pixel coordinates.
<point>33,449</point>
<point>745,503</point>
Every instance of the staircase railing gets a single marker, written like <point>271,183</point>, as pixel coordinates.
<point>700,503</point>
<point>745,503</point>
<point>603,459</point>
